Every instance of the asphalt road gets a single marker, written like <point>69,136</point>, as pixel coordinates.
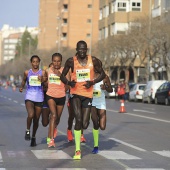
<point>136,140</point>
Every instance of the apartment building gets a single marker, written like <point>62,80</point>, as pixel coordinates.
<point>63,23</point>
<point>115,18</point>
<point>9,37</point>
<point>117,15</point>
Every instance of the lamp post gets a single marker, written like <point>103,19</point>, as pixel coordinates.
<point>29,46</point>
<point>59,32</point>
<point>150,17</point>
<point>91,29</point>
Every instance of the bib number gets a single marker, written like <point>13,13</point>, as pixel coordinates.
<point>33,81</point>
<point>83,75</point>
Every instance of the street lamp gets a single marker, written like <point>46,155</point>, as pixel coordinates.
<point>29,46</point>
<point>91,29</point>
<point>59,32</point>
<point>150,17</point>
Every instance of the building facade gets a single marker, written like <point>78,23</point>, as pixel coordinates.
<point>9,37</point>
<point>63,23</point>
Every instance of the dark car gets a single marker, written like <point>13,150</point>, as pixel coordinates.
<point>162,94</point>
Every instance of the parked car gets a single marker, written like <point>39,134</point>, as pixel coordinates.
<point>131,85</point>
<point>136,92</point>
<point>113,94</point>
<point>150,90</point>
<point>163,94</point>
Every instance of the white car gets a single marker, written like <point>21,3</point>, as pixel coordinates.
<point>136,92</point>
<point>150,90</point>
<point>113,94</point>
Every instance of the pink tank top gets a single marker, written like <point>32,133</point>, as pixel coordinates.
<point>56,87</point>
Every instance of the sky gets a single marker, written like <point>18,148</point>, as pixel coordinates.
<point>19,13</point>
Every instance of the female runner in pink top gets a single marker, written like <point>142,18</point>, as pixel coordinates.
<point>56,96</point>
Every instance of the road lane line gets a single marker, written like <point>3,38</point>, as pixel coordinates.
<point>146,117</point>
<point>127,144</point>
<point>1,157</point>
<point>143,111</point>
<point>15,101</point>
<point>163,153</point>
<point>145,169</point>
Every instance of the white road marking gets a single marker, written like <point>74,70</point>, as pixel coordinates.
<point>145,169</point>
<point>127,144</point>
<point>146,117</point>
<point>66,169</point>
<point>145,111</point>
<point>117,155</point>
<point>1,157</point>
<point>22,104</point>
<point>15,101</point>
<point>9,98</point>
<point>51,154</point>
<point>163,153</point>
<point>11,154</point>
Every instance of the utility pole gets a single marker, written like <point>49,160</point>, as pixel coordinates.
<point>148,59</point>
<point>91,29</point>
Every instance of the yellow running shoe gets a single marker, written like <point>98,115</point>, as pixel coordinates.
<point>77,155</point>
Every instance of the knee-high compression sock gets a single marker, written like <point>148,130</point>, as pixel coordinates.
<point>77,135</point>
<point>96,137</point>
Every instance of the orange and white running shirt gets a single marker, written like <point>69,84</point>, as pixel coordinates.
<point>81,74</point>
<point>56,87</point>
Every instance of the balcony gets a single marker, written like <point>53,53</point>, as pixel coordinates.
<point>156,12</point>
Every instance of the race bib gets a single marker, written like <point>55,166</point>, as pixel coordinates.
<point>83,75</point>
<point>33,81</point>
<point>96,93</point>
<point>54,79</point>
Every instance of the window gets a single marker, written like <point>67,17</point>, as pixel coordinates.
<point>88,35</point>
<point>64,37</point>
<point>101,14</point>
<point>121,6</point>
<point>64,21</point>
<point>112,7</point>
<point>65,6</point>
<point>105,32</point>
<point>89,6</point>
<point>88,20</point>
<point>136,6</point>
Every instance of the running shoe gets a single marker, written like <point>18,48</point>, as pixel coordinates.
<point>55,132</point>
<point>51,144</point>
<point>27,135</point>
<point>69,135</point>
<point>77,155</point>
<point>82,139</point>
<point>95,150</point>
<point>33,142</point>
<point>48,140</point>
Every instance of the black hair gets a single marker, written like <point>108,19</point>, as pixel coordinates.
<point>57,55</point>
<point>35,56</point>
<point>81,42</point>
<point>50,64</point>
